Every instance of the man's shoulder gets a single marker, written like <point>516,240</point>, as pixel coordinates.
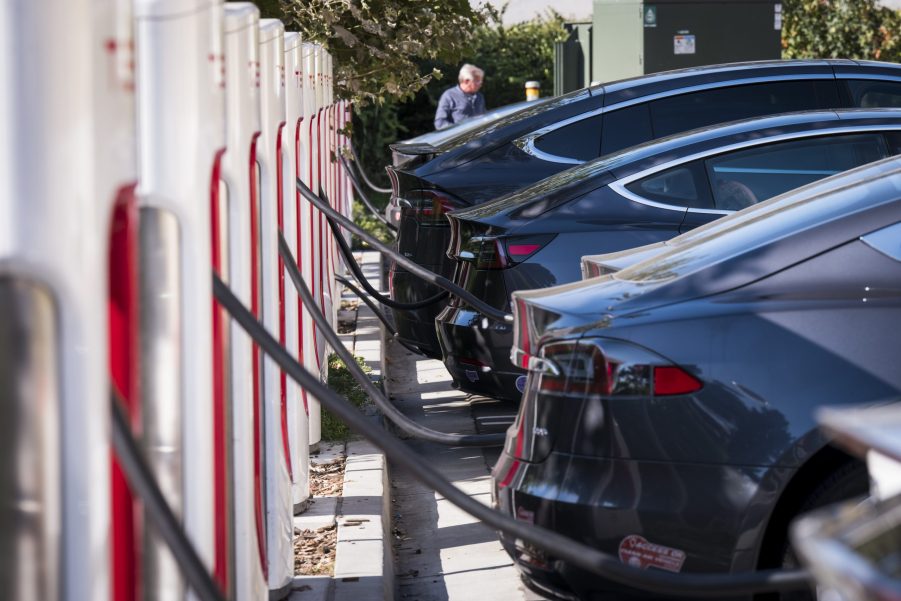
<point>450,92</point>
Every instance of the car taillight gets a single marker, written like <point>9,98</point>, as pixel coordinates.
<point>432,207</point>
<point>491,254</point>
<point>500,252</point>
<point>581,370</point>
<point>520,248</point>
<point>590,269</point>
<point>608,368</point>
<point>669,380</point>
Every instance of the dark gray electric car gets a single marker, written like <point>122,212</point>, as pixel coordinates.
<point>668,416</point>
<point>556,133</point>
<point>535,237</point>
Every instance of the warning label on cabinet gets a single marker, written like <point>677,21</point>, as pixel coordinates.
<point>684,44</point>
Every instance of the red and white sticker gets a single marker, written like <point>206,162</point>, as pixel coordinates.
<point>525,515</point>
<point>637,552</point>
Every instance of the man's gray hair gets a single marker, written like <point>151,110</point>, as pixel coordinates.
<point>470,72</point>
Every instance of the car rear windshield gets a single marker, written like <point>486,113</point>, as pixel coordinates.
<point>535,108</point>
<point>811,206</point>
<point>449,134</point>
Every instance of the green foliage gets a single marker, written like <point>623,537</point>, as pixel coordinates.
<point>857,29</point>
<point>341,381</point>
<point>365,220</point>
<point>510,56</point>
<point>377,43</point>
<point>269,9</point>
<point>375,126</point>
<point>513,55</point>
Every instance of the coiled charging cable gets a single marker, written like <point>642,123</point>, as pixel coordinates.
<point>417,270</point>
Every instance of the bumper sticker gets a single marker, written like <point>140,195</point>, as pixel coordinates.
<point>525,515</point>
<point>636,551</point>
<point>521,383</point>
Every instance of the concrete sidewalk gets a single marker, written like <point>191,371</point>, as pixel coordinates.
<point>364,566</point>
<point>442,553</point>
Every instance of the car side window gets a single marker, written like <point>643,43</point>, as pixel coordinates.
<point>743,178</point>
<point>683,112</point>
<point>580,140</point>
<point>682,186</point>
<point>626,127</point>
<point>873,93</point>
<point>894,142</point>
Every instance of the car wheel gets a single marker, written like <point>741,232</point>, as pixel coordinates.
<point>848,481</point>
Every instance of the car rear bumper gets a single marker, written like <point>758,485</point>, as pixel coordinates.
<point>476,352</point>
<point>689,513</point>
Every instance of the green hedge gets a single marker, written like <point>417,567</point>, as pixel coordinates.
<point>856,29</point>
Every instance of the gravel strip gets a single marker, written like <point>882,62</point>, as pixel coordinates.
<point>314,550</point>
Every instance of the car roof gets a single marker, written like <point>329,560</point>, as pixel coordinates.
<point>579,180</point>
<point>645,85</point>
<point>547,112</point>
<point>446,135</point>
<point>718,135</point>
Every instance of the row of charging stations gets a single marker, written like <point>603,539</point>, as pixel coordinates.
<point>146,142</point>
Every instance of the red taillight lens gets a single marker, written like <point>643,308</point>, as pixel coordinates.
<point>590,269</point>
<point>522,250</point>
<point>670,380</point>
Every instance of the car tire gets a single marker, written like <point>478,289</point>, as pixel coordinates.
<point>850,480</point>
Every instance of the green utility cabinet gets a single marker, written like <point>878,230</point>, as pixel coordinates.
<point>630,38</point>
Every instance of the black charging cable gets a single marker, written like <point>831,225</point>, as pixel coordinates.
<point>363,173</point>
<point>355,182</point>
<point>378,313</point>
<point>417,270</point>
<point>708,585</point>
<point>140,478</point>
<point>369,303</point>
<point>357,272</point>
<point>388,409</point>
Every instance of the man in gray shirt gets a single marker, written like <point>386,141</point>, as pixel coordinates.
<point>461,101</point>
